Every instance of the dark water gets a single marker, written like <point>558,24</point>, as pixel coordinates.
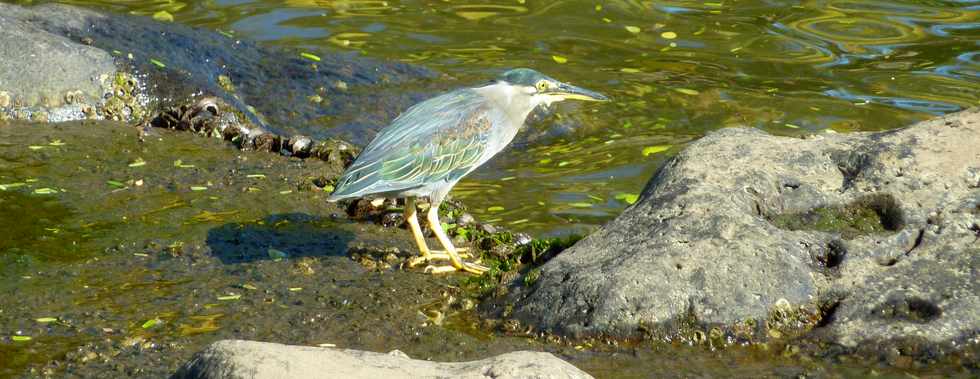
<point>676,69</point>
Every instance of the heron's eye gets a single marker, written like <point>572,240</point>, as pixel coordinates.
<point>542,85</point>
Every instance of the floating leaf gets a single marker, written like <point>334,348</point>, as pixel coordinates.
<point>792,126</point>
<point>560,59</point>
<point>36,147</point>
<point>249,287</point>
<point>45,191</point>
<point>229,297</point>
<point>179,163</point>
<point>198,188</point>
<point>163,16</point>
<point>655,149</point>
<point>310,56</point>
<point>581,205</point>
<point>668,35</point>
<point>495,208</point>
<point>629,70</point>
<point>45,320</point>
<point>151,323</point>
<point>20,338</point>
<point>285,192</point>
<point>687,91</point>
<point>157,63</point>
<point>633,29</point>
<point>295,289</point>
<point>115,183</point>
<point>56,142</point>
<point>521,221</point>
<point>255,176</point>
<point>138,162</point>
<point>545,161</point>
<point>7,186</point>
<point>628,198</point>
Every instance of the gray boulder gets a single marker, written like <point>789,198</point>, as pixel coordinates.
<point>231,359</point>
<point>39,69</point>
<point>863,239</point>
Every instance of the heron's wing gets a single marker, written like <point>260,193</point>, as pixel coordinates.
<point>441,139</point>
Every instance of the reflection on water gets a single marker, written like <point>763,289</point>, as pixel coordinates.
<point>676,70</point>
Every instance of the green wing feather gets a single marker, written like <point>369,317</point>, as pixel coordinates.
<point>440,139</point>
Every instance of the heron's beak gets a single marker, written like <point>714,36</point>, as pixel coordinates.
<point>569,92</point>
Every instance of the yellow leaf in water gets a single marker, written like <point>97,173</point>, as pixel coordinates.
<point>581,205</point>
<point>163,16</point>
<point>45,320</point>
<point>629,70</point>
<point>687,91</point>
<point>633,29</point>
<point>560,59</point>
<point>655,149</point>
<point>310,56</point>
<point>668,35</point>
<point>20,338</point>
<point>495,208</point>
<point>629,198</point>
<point>230,297</point>
<point>151,323</point>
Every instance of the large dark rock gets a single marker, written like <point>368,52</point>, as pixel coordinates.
<point>866,239</point>
<point>231,359</point>
<point>130,67</point>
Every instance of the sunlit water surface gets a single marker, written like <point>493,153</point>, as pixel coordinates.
<point>676,69</point>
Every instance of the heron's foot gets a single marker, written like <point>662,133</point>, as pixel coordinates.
<point>473,268</point>
<point>437,255</point>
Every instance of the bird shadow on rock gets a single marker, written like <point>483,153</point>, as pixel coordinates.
<point>279,236</point>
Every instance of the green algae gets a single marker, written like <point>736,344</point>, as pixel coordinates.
<point>862,217</point>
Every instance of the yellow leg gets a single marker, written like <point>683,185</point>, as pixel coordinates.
<point>426,255</point>
<point>413,223</point>
<point>457,264</point>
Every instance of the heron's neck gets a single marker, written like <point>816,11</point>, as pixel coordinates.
<point>510,99</point>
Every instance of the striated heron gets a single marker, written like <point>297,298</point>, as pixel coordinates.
<point>435,143</point>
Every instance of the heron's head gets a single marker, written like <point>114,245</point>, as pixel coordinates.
<point>545,90</point>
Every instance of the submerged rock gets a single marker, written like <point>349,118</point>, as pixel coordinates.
<point>866,240</point>
<point>249,359</point>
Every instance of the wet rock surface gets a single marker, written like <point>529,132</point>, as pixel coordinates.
<point>249,359</point>
<point>130,67</point>
<point>46,76</point>
<point>865,241</point>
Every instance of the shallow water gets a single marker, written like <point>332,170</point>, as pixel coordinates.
<point>676,69</point>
